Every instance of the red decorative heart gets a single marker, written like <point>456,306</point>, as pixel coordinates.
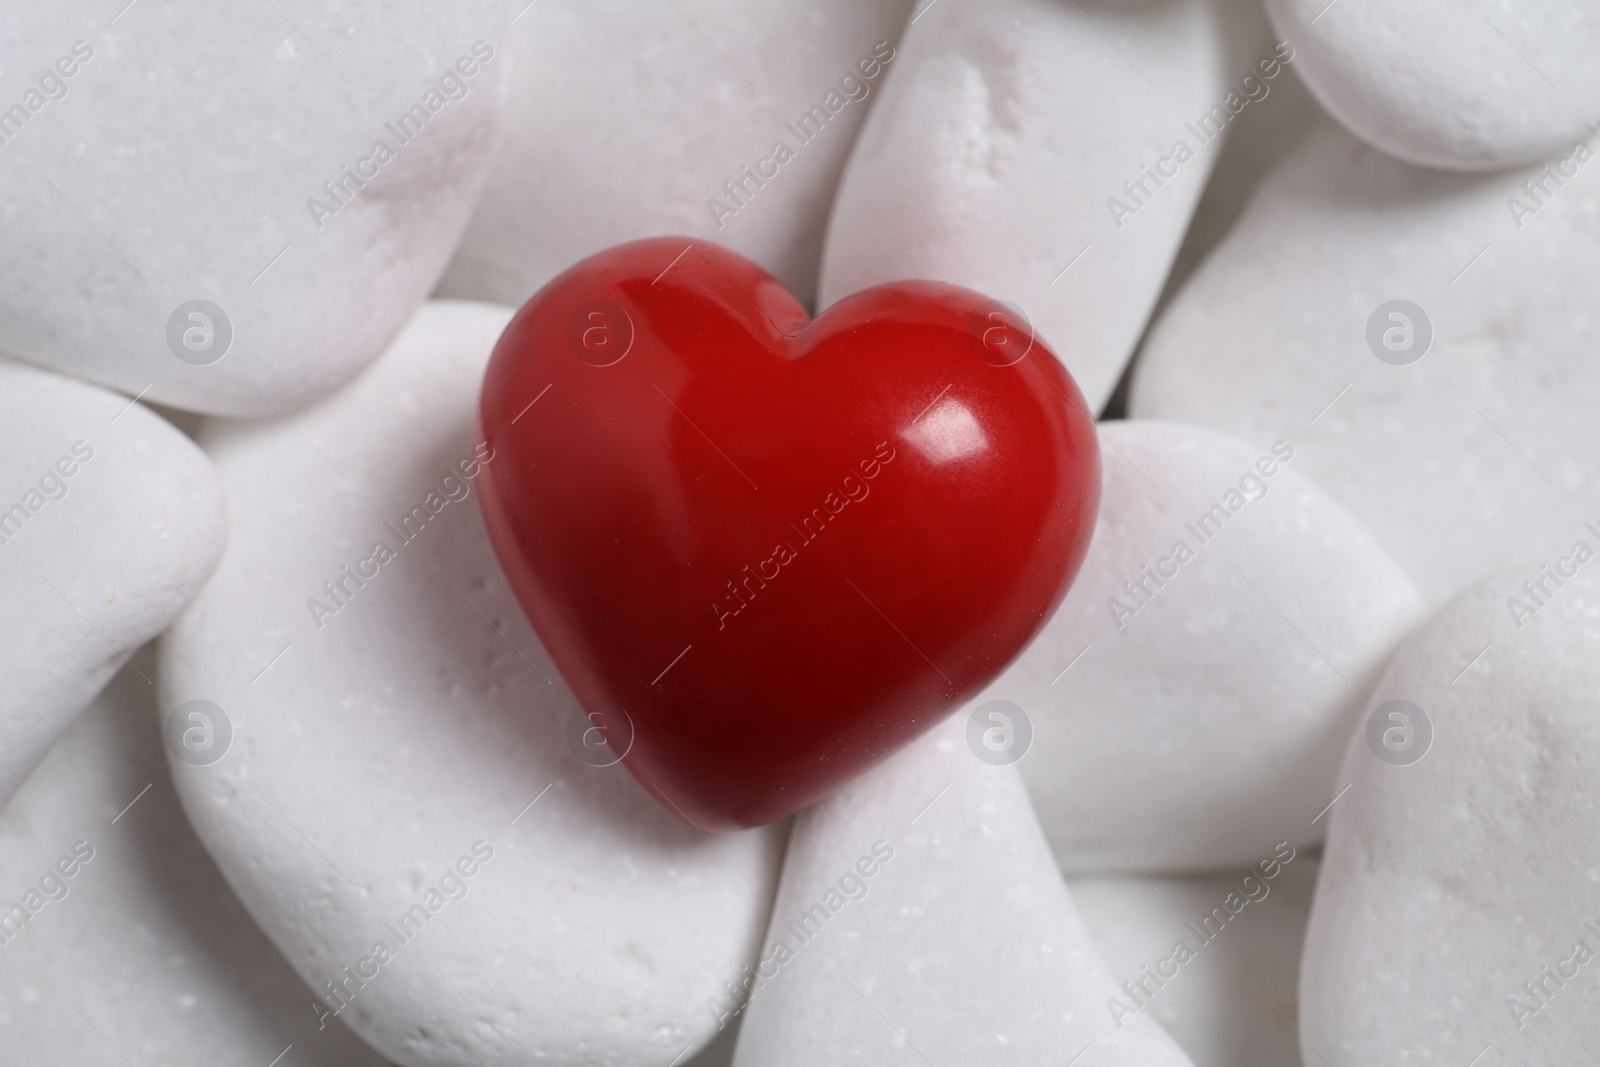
<point>765,552</point>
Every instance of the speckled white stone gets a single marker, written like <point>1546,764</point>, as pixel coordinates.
<point>142,952</point>
<point>110,522</point>
<point>1450,883</point>
<point>1463,86</point>
<point>946,934</point>
<point>179,162</point>
<point>1476,456</point>
<point>626,119</point>
<point>1001,140</point>
<point>421,726</point>
<point>1187,724</point>
<point>1232,1002</point>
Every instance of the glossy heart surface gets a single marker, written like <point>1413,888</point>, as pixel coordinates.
<point>766,551</point>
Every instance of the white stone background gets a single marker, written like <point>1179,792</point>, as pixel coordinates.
<point>1436,909</point>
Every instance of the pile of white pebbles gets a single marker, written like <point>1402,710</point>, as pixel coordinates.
<point>1305,769</point>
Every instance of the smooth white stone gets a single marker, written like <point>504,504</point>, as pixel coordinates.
<point>181,163</point>
<point>626,117</point>
<point>142,952</point>
<point>962,947</point>
<point>1208,1005</point>
<point>1445,459</point>
<point>1450,881</point>
<point>1459,86</point>
<point>1007,128</point>
<point>372,753</point>
<point>95,563</point>
<point>1207,724</point>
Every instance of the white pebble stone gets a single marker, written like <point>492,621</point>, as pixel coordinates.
<point>1007,131</point>
<point>1229,994</point>
<point>406,746</point>
<point>1459,904</point>
<point>1263,133</point>
<point>629,119</point>
<point>926,922</point>
<point>182,160</point>
<point>1470,86</point>
<point>1478,452</point>
<point>110,522</point>
<point>1190,698</point>
<point>142,951</point>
